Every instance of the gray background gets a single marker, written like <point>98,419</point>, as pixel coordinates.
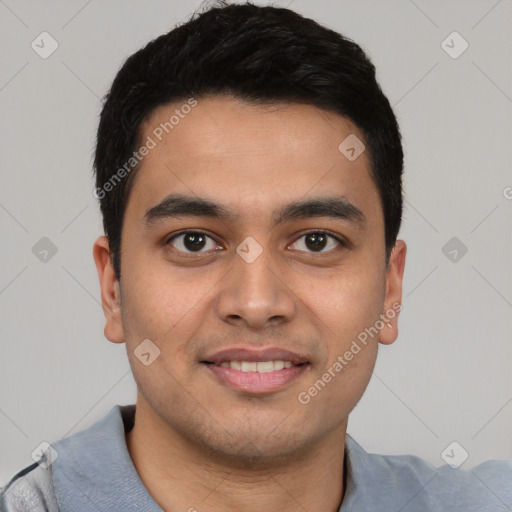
<point>448,377</point>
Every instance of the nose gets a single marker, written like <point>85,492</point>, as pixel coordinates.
<point>256,293</point>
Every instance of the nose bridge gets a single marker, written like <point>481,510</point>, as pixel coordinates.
<point>254,290</point>
<point>254,266</point>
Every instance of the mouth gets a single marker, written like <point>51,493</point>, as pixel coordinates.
<point>256,372</point>
<point>256,366</point>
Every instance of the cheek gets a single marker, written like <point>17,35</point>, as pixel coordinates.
<point>155,298</point>
<point>344,390</point>
<point>166,306</point>
<point>346,302</point>
<point>159,307</point>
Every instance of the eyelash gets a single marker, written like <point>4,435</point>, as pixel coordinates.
<point>342,243</point>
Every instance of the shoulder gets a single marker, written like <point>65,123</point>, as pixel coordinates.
<point>412,484</point>
<point>91,466</point>
<point>31,489</point>
<point>487,486</point>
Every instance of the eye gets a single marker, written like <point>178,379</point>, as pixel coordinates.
<point>317,241</point>
<point>191,241</point>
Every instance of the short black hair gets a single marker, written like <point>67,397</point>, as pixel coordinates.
<point>262,55</point>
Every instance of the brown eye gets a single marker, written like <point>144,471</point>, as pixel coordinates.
<point>317,241</point>
<point>192,241</point>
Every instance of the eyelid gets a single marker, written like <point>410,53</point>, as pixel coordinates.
<point>190,231</point>
<point>342,241</point>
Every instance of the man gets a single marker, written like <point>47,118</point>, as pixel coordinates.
<point>248,168</point>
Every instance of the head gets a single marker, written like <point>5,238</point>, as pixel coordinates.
<point>241,126</point>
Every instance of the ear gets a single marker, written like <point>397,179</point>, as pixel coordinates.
<point>393,297</point>
<point>110,291</point>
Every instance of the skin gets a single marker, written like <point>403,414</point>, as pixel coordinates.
<point>198,443</point>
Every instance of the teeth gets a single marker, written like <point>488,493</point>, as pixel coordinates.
<point>278,365</point>
<point>265,366</point>
<point>249,366</point>
<point>260,367</point>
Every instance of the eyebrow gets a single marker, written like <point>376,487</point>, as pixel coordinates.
<point>182,205</point>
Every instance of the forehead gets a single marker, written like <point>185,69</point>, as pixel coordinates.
<point>249,157</point>
<point>224,126</point>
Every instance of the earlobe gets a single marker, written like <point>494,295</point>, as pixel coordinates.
<point>393,298</point>
<point>110,291</point>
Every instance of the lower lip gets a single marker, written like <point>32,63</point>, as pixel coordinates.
<point>255,382</point>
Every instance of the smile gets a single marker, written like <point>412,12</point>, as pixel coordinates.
<point>256,377</point>
<point>260,367</point>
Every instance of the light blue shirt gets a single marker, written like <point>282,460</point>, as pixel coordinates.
<point>93,472</point>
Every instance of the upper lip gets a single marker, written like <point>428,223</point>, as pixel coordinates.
<point>243,354</point>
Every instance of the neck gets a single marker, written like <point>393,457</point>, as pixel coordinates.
<point>183,477</point>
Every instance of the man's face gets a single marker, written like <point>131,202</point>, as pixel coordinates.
<point>252,281</point>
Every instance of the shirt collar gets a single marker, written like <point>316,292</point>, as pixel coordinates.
<point>94,469</point>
